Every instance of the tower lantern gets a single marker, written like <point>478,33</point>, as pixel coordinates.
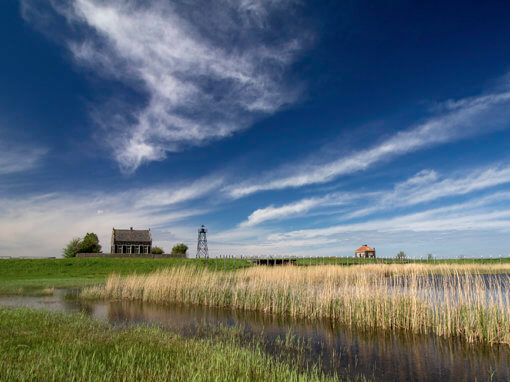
<point>202,252</point>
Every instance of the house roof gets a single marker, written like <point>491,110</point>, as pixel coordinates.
<point>132,235</point>
<point>364,248</point>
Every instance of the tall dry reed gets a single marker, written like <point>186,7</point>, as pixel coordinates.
<point>447,300</point>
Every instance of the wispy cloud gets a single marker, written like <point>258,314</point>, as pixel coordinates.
<point>208,68</point>
<point>298,208</point>
<point>460,119</point>
<point>160,197</point>
<point>272,213</point>
<point>479,226</point>
<point>17,158</point>
<point>468,216</point>
<point>428,186</point>
<point>425,186</point>
<point>42,225</point>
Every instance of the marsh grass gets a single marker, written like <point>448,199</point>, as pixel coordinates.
<point>446,300</point>
<point>43,346</point>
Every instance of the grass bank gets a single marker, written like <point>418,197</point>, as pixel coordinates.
<point>458,300</point>
<point>43,346</point>
<point>32,276</point>
<point>38,276</point>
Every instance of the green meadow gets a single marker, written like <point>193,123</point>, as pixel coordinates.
<point>32,276</point>
<point>44,346</point>
<point>38,345</point>
<point>40,276</point>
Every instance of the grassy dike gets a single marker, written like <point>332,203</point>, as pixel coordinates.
<point>43,346</point>
<point>39,276</point>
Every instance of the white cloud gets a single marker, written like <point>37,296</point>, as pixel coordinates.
<point>460,217</point>
<point>462,119</point>
<point>42,225</point>
<point>16,158</point>
<point>295,209</point>
<point>272,213</point>
<point>208,68</point>
<point>477,227</point>
<point>158,197</point>
<point>425,186</point>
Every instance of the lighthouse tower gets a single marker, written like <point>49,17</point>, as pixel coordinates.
<point>202,252</point>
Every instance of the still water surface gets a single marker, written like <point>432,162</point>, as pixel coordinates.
<point>379,355</point>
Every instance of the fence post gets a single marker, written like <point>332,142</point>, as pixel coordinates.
<point>224,260</point>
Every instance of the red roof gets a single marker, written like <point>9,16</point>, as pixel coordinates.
<point>364,248</point>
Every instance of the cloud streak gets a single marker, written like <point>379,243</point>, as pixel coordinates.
<point>298,208</point>
<point>460,119</point>
<point>41,225</point>
<point>275,213</point>
<point>15,158</point>
<point>207,69</point>
<point>459,217</point>
<point>426,186</point>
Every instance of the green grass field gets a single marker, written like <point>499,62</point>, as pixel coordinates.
<point>43,346</point>
<point>31,276</point>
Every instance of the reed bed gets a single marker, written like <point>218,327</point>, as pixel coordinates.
<point>447,300</point>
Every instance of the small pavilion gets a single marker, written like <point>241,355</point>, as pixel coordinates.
<point>365,252</point>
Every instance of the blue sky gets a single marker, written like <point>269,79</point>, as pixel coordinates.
<point>286,127</point>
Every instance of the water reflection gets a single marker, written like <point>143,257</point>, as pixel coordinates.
<point>379,355</point>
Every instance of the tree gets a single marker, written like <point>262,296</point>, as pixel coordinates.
<point>72,248</point>
<point>179,249</point>
<point>430,256</point>
<point>157,251</point>
<point>89,244</point>
<point>401,256</point>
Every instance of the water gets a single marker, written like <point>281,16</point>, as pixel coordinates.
<point>378,355</point>
<point>482,289</point>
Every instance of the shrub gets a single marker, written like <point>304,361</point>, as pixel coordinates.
<point>401,256</point>
<point>157,251</point>
<point>72,248</point>
<point>89,244</point>
<point>179,249</point>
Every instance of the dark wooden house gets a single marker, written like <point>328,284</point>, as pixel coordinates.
<point>131,241</point>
